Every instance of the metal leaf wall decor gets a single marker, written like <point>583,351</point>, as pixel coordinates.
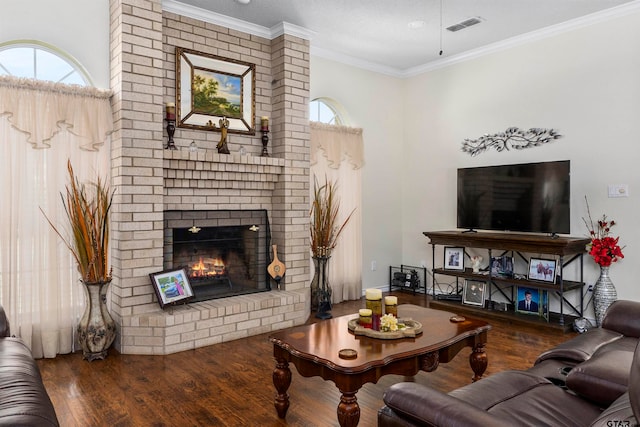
<point>511,138</point>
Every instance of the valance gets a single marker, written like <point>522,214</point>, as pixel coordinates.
<point>42,109</point>
<point>337,142</point>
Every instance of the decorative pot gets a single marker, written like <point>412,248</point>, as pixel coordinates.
<point>96,330</point>
<point>604,293</point>
<point>320,288</point>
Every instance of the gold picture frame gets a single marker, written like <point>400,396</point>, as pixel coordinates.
<point>210,89</point>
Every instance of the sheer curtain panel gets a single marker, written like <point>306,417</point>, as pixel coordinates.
<point>42,126</point>
<point>337,153</point>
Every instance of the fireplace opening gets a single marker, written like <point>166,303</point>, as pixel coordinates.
<point>224,253</point>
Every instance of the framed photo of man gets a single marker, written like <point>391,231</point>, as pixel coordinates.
<point>529,300</point>
<point>473,292</point>
<point>453,258</point>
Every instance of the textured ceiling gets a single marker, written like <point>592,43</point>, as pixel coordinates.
<point>376,32</point>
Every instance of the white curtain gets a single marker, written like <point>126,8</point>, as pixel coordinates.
<point>337,154</point>
<point>39,283</point>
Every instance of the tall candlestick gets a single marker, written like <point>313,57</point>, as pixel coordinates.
<point>171,111</point>
<point>171,125</point>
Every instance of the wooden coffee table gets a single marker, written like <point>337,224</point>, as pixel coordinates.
<point>313,349</point>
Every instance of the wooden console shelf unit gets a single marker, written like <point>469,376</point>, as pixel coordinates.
<point>567,249</point>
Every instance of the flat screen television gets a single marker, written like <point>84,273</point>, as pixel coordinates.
<point>529,197</point>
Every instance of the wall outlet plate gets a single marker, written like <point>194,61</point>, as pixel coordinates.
<point>618,190</point>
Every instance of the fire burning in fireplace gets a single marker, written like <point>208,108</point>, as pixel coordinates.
<point>208,267</point>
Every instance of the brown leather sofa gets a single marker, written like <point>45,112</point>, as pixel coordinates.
<point>23,398</point>
<point>590,380</point>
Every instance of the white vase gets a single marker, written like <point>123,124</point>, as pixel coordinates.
<point>604,294</point>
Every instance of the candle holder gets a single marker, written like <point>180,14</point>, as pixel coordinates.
<point>171,130</point>
<point>265,141</point>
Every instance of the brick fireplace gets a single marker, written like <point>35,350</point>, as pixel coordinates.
<point>153,183</point>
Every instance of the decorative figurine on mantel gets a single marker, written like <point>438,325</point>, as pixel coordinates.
<point>222,145</point>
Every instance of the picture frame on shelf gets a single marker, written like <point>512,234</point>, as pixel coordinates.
<point>473,292</point>
<point>542,270</point>
<point>502,266</point>
<point>529,300</point>
<point>545,305</point>
<point>171,287</point>
<point>211,89</point>
<point>454,258</point>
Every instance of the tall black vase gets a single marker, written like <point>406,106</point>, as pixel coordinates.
<point>320,288</point>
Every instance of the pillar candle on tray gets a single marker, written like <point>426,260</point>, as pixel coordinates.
<point>365,318</point>
<point>391,305</point>
<point>264,124</point>
<point>171,111</point>
<point>374,303</point>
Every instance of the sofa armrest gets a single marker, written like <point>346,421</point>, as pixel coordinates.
<point>623,316</point>
<point>5,330</point>
<point>424,405</point>
<point>581,347</point>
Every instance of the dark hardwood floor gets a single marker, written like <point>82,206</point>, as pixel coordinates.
<point>230,384</point>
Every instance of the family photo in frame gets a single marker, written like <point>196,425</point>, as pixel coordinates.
<point>171,287</point>
<point>453,258</point>
<point>473,292</point>
<point>502,266</point>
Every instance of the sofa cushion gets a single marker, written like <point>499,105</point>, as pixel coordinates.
<point>528,400</point>
<point>547,405</point>
<point>582,347</point>
<point>603,378</point>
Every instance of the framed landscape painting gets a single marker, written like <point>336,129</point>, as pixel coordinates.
<point>211,89</point>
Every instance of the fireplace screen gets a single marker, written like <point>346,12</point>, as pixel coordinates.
<point>224,253</point>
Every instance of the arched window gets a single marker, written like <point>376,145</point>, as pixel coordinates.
<point>336,155</point>
<point>323,110</point>
<point>50,113</point>
<point>37,60</point>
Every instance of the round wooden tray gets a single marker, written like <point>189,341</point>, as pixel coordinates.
<point>412,329</point>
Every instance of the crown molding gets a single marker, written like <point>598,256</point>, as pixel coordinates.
<point>194,12</point>
<point>291,30</point>
<point>355,62</point>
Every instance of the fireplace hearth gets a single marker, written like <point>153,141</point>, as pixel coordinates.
<point>225,253</point>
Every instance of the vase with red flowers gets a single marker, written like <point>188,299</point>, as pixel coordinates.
<point>605,250</point>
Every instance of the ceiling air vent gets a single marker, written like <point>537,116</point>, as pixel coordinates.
<point>465,24</point>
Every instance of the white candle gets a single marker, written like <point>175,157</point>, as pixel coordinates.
<point>373,294</point>
<point>365,312</point>
<point>391,300</point>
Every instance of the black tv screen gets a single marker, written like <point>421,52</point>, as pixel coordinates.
<point>530,197</point>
